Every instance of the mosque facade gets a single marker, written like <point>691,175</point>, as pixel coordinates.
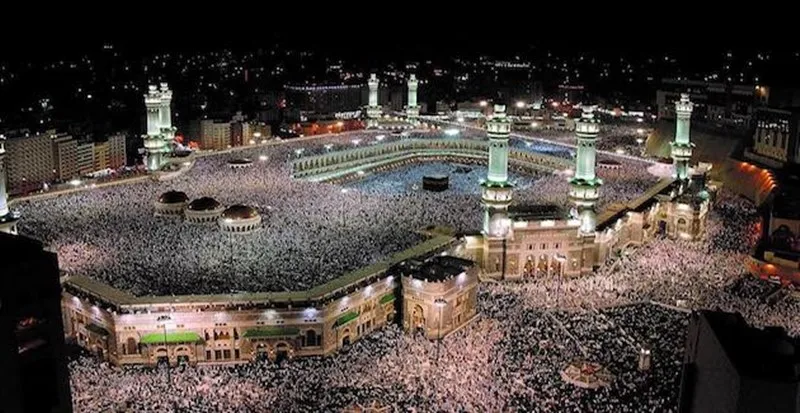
<point>429,289</point>
<point>540,240</point>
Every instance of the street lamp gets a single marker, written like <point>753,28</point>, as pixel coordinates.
<point>561,261</point>
<point>441,303</point>
<point>229,221</point>
<point>344,191</point>
<point>165,319</point>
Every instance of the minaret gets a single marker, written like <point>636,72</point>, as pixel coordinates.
<point>3,193</point>
<point>165,117</point>
<point>373,109</point>
<point>153,140</point>
<point>8,219</point>
<point>585,185</point>
<point>681,146</point>
<point>496,195</point>
<point>412,110</point>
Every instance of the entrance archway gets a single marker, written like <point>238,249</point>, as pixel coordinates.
<point>541,266</point>
<point>418,318</point>
<point>281,351</point>
<point>529,269</point>
<point>262,352</point>
<point>162,356</point>
<point>131,346</point>
<point>662,227</point>
<point>683,226</point>
<point>346,337</point>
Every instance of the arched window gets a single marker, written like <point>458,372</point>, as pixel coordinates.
<point>312,339</point>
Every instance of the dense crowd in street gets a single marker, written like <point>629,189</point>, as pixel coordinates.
<point>621,138</point>
<point>311,232</point>
<point>509,359</point>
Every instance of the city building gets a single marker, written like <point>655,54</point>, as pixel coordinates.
<point>34,377</point>
<point>65,157</point>
<point>440,291</point>
<point>29,161</point>
<point>117,151</point>
<point>730,366</point>
<point>101,156</point>
<point>776,138</point>
<point>777,254</point>
<point>214,134</point>
<point>46,157</point>
<point>322,101</point>
<point>217,134</point>
<point>716,103</point>
<point>85,162</point>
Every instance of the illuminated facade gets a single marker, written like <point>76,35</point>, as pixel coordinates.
<point>542,240</point>
<point>8,220</point>
<point>126,329</point>
<point>439,295</point>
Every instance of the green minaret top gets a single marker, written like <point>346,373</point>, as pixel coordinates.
<point>498,127</point>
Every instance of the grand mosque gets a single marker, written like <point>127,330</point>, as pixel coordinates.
<point>430,288</point>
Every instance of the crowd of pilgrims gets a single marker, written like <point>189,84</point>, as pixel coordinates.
<point>614,137</point>
<point>509,359</point>
<point>311,232</point>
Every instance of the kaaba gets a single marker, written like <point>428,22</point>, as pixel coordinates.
<point>436,183</point>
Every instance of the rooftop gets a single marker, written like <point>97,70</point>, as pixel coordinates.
<point>754,352</point>
<point>436,269</point>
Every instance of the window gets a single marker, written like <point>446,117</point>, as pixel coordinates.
<point>544,246</point>
<point>208,354</point>
<point>226,354</point>
<point>236,354</point>
<point>311,338</point>
<point>217,354</point>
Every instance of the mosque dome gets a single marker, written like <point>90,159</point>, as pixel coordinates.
<point>173,197</point>
<point>204,204</point>
<point>239,212</point>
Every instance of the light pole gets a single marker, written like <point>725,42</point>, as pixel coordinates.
<point>229,221</point>
<point>344,191</point>
<point>439,302</point>
<point>165,319</point>
<point>561,261</point>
